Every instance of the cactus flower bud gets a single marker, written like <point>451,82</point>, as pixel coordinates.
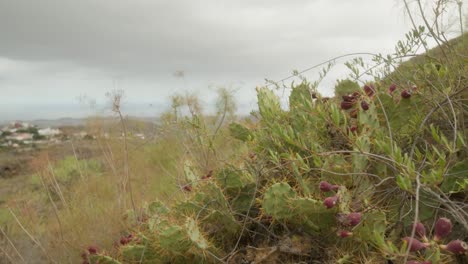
<point>330,202</point>
<point>405,94</point>
<point>344,233</point>
<point>420,229</point>
<point>124,241</point>
<point>364,105</point>
<point>348,98</point>
<point>353,219</point>
<point>392,88</point>
<point>208,175</point>
<point>346,105</point>
<point>456,247</point>
<point>369,89</point>
<point>416,245</point>
<point>442,229</point>
<point>326,187</point>
<point>93,250</point>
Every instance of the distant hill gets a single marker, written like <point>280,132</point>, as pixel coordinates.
<point>67,121</point>
<point>59,122</point>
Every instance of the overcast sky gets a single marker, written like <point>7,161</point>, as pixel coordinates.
<point>54,51</point>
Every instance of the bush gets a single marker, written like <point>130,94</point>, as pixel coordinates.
<point>355,178</point>
<point>349,175</point>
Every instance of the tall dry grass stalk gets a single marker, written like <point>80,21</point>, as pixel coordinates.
<point>116,99</point>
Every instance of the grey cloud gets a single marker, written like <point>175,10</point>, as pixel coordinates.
<point>154,36</point>
<point>69,47</point>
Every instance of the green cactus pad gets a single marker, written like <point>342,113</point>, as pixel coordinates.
<point>102,259</point>
<point>137,254</point>
<point>276,201</point>
<point>157,207</point>
<point>195,235</point>
<point>175,239</point>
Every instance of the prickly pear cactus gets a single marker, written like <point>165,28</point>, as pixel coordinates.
<point>347,172</point>
<point>137,254</point>
<point>174,238</point>
<point>277,201</point>
<point>102,259</point>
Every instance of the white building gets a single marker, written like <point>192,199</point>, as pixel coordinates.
<point>21,137</point>
<point>48,132</point>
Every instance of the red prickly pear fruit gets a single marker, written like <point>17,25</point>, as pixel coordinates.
<point>330,202</point>
<point>364,105</point>
<point>369,89</point>
<point>416,245</point>
<point>346,105</point>
<point>405,94</point>
<point>187,188</point>
<point>93,250</point>
<point>443,228</point>
<point>124,241</point>
<point>420,230</point>
<point>353,129</point>
<point>344,233</point>
<point>348,98</point>
<point>456,247</point>
<point>326,187</point>
<point>353,219</point>
<point>392,88</point>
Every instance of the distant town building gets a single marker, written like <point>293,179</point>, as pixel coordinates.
<point>20,137</point>
<point>81,134</point>
<point>18,134</point>
<point>49,132</point>
<point>140,136</point>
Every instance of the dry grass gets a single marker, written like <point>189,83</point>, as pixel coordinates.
<point>68,205</point>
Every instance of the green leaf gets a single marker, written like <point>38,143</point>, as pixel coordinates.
<point>404,182</point>
<point>240,132</point>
